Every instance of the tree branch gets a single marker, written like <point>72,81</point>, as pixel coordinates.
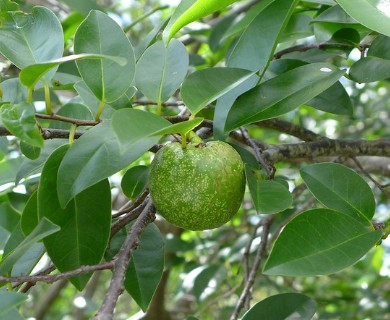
<point>75,121</point>
<point>56,277</point>
<point>306,47</point>
<point>266,223</point>
<point>106,311</point>
<point>290,129</point>
<point>327,147</point>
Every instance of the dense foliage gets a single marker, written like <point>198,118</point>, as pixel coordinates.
<point>90,91</point>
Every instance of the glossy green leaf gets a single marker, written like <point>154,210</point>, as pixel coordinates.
<point>161,70</point>
<point>197,10</point>
<point>90,100</point>
<point>13,91</point>
<point>29,219</point>
<point>284,306</point>
<point>298,27</point>
<point>181,127</point>
<point>30,151</point>
<point>29,260</point>
<point>325,241</point>
<point>42,230</point>
<point>146,267</point>
<point>371,13</point>
<point>9,217</point>
<point>12,314</point>
<point>30,167</point>
<point>20,120</point>
<point>9,300</point>
<point>88,215</point>
<point>370,69</point>
<point>243,23</point>
<point>15,239</point>
<point>268,196</point>
<point>380,47</point>
<point>99,34</point>
<point>225,102</point>
<point>9,169</point>
<point>84,6</point>
<point>30,75</point>
<point>340,188</point>
<point>125,100</point>
<point>204,86</point>
<point>334,14</point>
<point>334,100</point>
<point>126,138</point>
<point>134,181</point>
<point>132,125</point>
<point>282,94</point>
<point>255,47</point>
<point>22,36</point>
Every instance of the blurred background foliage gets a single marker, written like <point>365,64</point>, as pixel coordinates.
<point>204,269</point>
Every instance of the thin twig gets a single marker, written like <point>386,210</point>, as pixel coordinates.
<point>130,205</point>
<point>269,169</point>
<point>130,216</point>
<point>56,277</point>
<point>77,122</point>
<point>306,47</point>
<point>255,267</point>
<point>376,183</point>
<point>106,311</point>
<point>246,255</point>
<point>154,103</point>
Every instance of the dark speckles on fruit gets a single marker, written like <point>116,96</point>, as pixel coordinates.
<point>197,188</point>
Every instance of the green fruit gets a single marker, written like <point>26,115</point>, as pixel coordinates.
<point>199,187</point>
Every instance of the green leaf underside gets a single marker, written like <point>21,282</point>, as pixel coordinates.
<point>146,267</point>
<point>335,99</point>
<point>254,49</point>
<point>225,102</point>
<point>42,230</point>
<point>181,127</point>
<point>194,10</point>
<point>341,189</point>
<point>91,159</point>
<point>268,196</point>
<point>283,306</point>
<point>30,75</point>
<point>9,300</point>
<point>204,86</point>
<point>85,222</point>
<point>31,167</point>
<point>325,241</point>
<point>29,219</point>
<point>370,13</point>
<point>20,120</point>
<point>242,24</point>
<point>99,34</point>
<point>370,69</point>
<point>161,70</point>
<point>282,94</point>
<point>134,181</point>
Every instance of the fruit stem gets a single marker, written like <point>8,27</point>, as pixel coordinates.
<point>49,109</point>
<point>184,141</point>
<point>194,138</point>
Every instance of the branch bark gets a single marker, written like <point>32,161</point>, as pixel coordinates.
<point>266,223</point>
<point>106,311</point>
<point>327,147</point>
